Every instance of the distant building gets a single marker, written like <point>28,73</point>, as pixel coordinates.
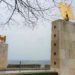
<point>3,53</point>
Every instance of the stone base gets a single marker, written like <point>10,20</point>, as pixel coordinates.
<point>3,56</point>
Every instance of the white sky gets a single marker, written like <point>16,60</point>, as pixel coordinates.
<point>28,44</point>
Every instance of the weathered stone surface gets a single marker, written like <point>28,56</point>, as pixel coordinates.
<point>3,55</point>
<point>64,48</point>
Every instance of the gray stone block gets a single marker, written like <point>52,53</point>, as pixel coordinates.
<point>3,55</point>
<point>65,47</point>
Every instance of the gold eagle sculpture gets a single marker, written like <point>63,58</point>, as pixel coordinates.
<point>2,39</point>
<point>66,11</point>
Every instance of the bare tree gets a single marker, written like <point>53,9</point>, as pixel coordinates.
<point>29,11</point>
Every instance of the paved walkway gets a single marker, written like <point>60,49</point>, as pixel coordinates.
<point>20,71</point>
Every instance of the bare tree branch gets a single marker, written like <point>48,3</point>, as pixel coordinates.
<point>28,12</point>
<point>21,7</point>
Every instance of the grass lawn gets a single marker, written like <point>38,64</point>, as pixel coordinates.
<point>10,69</point>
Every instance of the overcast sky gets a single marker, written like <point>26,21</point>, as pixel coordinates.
<point>25,43</point>
<point>28,44</point>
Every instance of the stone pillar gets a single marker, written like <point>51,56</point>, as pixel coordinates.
<point>3,56</point>
<point>63,47</point>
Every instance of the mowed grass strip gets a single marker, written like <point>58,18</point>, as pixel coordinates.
<point>33,73</point>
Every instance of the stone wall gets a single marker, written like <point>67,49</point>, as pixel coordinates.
<point>63,47</point>
<point>3,56</point>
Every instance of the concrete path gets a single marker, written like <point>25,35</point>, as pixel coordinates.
<point>20,71</point>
